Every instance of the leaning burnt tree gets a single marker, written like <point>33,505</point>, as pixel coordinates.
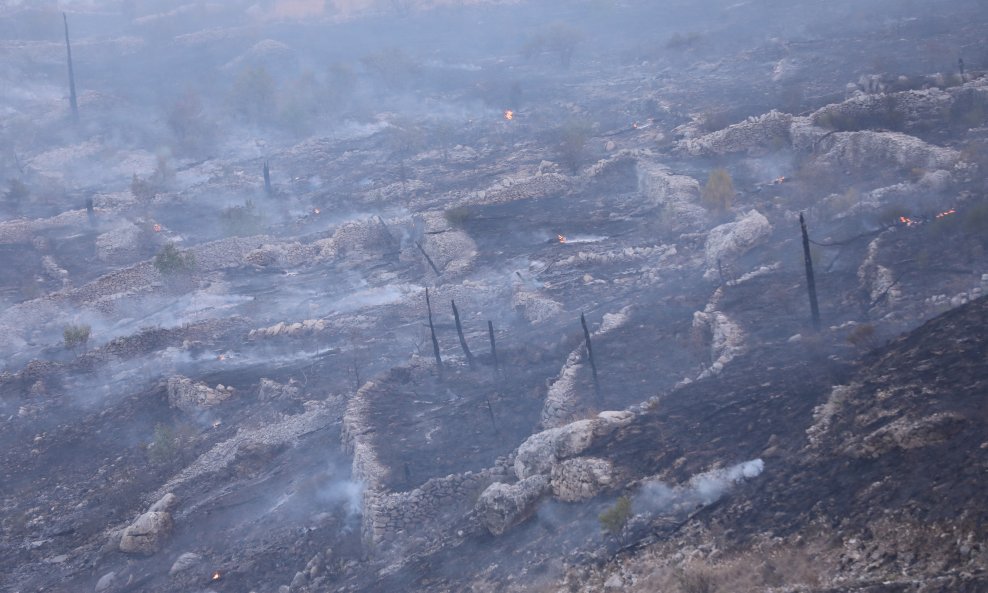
<point>810,280</point>
<point>593,364</point>
<point>435,342</point>
<point>459,334</point>
<point>68,51</point>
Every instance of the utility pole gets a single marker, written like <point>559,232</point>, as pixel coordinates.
<point>810,281</point>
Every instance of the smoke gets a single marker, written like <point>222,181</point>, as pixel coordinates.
<point>702,489</point>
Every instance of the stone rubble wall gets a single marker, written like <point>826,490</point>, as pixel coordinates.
<point>562,399</point>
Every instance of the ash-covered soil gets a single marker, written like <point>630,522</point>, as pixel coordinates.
<point>220,372</point>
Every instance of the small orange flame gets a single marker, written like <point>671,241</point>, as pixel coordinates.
<point>216,424</point>
<point>562,238</point>
<point>221,357</point>
<point>946,213</point>
<point>779,181</point>
<point>217,576</point>
<point>908,221</point>
<point>509,115</point>
<point>157,228</point>
<point>316,211</point>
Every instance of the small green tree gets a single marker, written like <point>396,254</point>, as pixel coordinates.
<point>242,220</point>
<point>718,193</point>
<point>171,262</point>
<point>76,336</point>
<point>163,447</point>
<point>615,518</point>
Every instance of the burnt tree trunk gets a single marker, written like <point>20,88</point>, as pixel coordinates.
<point>427,258</point>
<point>435,342</point>
<point>459,333</point>
<point>810,280</point>
<point>267,179</point>
<point>490,330</point>
<point>593,365</point>
<point>68,50</point>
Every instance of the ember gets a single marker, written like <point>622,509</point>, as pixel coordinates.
<point>779,180</point>
<point>216,424</point>
<point>157,228</point>
<point>216,576</point>
<point>509,115</point>
<point>947,213</point>
<point>908,221</point>
<point>561,238</point>
<point>316,211</point>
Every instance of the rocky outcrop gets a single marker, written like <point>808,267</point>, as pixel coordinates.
<point>755,135</point>
<point>119,245</point>
<point>677,195</point>
<point>192,397</point>
<point>268,390</point>
<point>562,400</point>
<point>147,533</point>
<point>727,242</point>
<point>539,453</point>
<point>185,562</point>
<point>579,479</point>
<point>865,151</point>
<point>502,506</point>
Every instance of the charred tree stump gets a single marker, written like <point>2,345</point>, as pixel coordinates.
<point>267,179</point>
<point>435,342</point>
<point>593,365</point>
<point>490,331</point>
<point>810,280</point>
<point>68,50</point>
<point>490,411</point>
<point>459,333</point>
<point>90,212</point>
<point>427,258</point>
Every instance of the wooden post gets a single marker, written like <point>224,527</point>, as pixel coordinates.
<point>810,281</point>
<point>459,333</point>
<point>427,258</point>
<point>68,50</point>
<point>267,179</point>
<point>593,365</point>
<point>435,342</point>
<point>490,330</point>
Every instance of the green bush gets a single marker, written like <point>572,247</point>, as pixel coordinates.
<point>718,193</point>
<point>172,262</point>
<point>242,221</point>
<point>615,518</point>
<point>163,448</point>
<point>76,335</point>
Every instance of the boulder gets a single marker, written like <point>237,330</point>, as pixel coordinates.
<point>502,506</point>
<point>581,478</point>
<point>272,390</point>
<point>732,240</point>
<point>191,397</point>
<point>106,582</point>
<point>147,534</point>
<point>185,562</point>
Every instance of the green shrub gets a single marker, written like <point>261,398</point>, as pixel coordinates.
<point>718,193</point>
<point>615,518</point>
<point>172,262</point>
<point>457,215</point>
<point>163,448</point>
<point>242,221</point>
<point>76,335</point>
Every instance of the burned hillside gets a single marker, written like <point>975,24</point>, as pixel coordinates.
<point>492,296</point>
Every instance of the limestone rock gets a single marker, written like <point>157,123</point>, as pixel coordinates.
<point>679,195</point>
<point>191,397</point>
<point>581,478</point>
<point>755,135</point>
<point>502,506</point>
<point>147,534</point>
<point>184,562</point>
<point>731,240</point>
<point>272,390</point>
<point>106,582</point>
<point>165,504</point>
<point>119,245</point>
